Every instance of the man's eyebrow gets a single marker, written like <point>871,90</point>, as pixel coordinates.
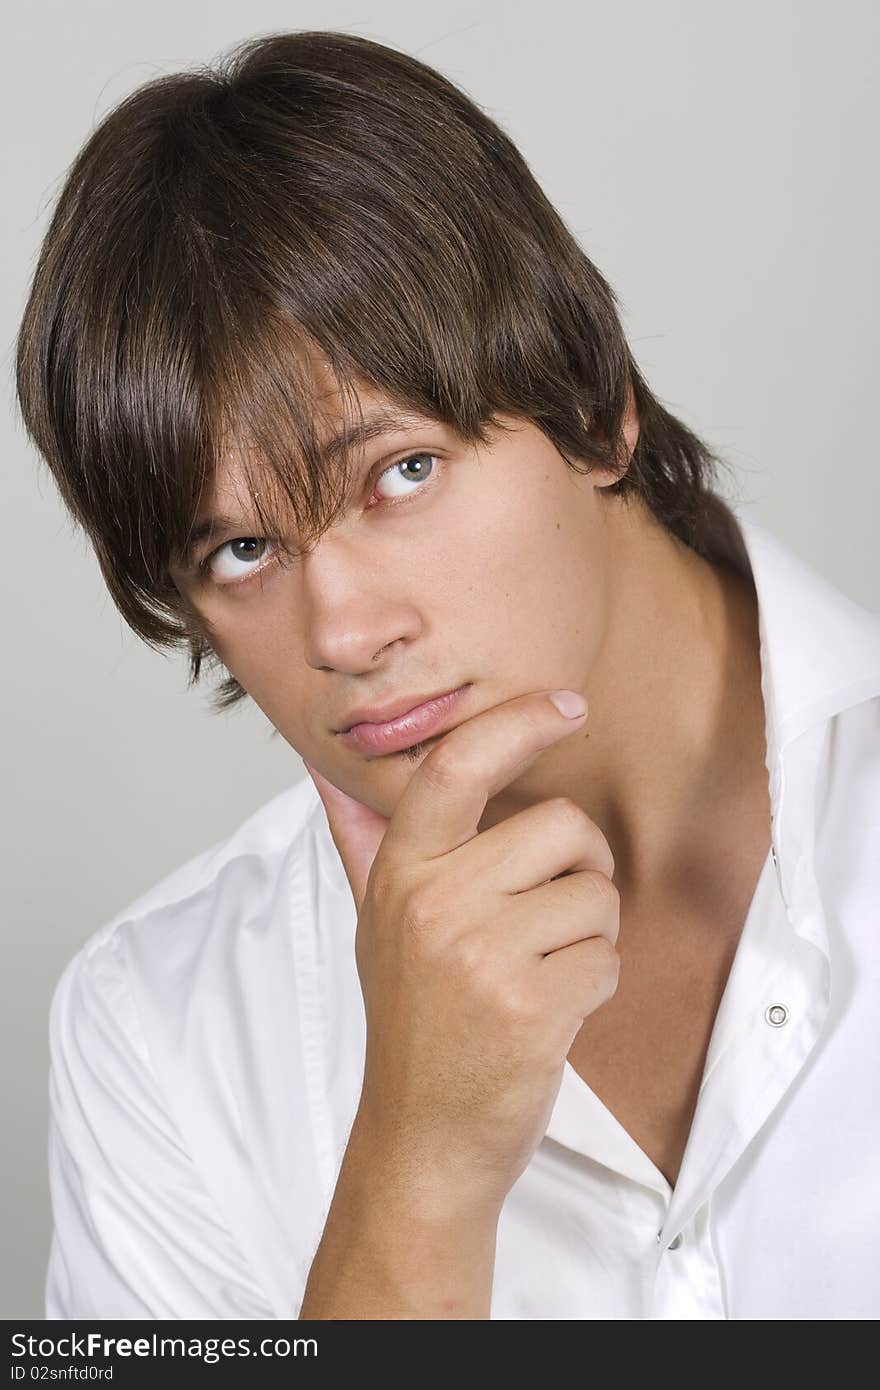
<point>184,558</point>
<point>373,426</point>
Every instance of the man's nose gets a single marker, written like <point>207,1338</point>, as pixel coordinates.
<point>353,611</point>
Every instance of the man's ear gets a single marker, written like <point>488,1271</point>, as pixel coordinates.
<point>630,422</point>
<point>606,477</point>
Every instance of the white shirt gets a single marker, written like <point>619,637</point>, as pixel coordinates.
<point>207,1050</point>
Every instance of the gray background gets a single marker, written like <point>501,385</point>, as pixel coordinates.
<point>714,160</point>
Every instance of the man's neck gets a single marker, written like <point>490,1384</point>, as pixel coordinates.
<point>673,749</point>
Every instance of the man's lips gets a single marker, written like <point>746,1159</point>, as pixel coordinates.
<point>387,713</point>
<point>405,729</point>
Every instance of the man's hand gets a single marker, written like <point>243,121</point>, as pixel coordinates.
<point>479,954</point>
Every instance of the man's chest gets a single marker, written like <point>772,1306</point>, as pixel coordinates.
<point>643,1053</point>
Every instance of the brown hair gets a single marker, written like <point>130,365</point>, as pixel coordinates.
<point>312,193</point>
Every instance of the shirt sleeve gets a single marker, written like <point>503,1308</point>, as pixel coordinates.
<point>136,1234</point>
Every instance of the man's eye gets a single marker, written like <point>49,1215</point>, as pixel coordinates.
<point>403,478</point>
<point>243,550</point>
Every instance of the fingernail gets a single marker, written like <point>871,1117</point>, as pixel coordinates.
<point>569,703</point>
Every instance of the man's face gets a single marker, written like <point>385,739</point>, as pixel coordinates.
<point>453,565</point>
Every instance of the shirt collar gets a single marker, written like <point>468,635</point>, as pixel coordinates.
<point>820,654</point>
<point>820,650</point>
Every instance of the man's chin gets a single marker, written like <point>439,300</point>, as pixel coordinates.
<point>383,779</point>
<point>416,751</point>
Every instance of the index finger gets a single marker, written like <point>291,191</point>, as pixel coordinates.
<point>444,800</point>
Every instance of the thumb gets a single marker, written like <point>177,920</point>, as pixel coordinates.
<point>357,832</point>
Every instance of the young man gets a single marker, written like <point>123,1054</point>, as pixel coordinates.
<point>507,1010</point>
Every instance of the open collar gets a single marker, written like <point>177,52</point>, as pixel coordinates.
<point>820,654</point>
<point>820,650</point>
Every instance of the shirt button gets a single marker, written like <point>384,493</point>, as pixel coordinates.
<point>776,1015</point>
<point>673,1244</point>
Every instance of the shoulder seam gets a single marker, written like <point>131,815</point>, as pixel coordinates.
<point>216,862</point>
